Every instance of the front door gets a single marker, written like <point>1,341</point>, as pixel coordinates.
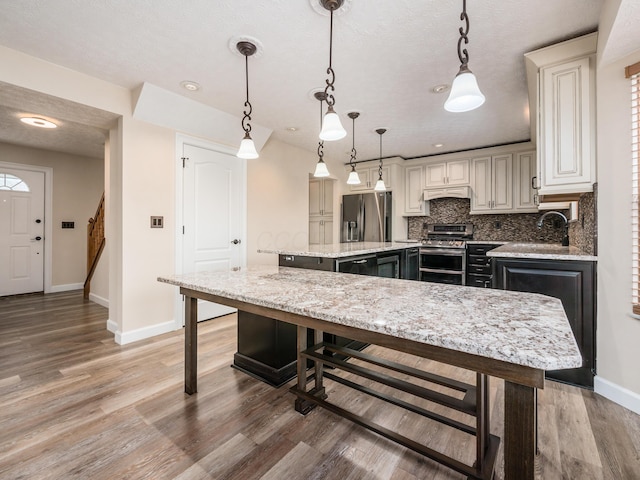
<point>213,215</point>
<point>21,231</point>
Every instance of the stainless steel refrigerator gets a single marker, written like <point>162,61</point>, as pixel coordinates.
<point>366,217</point>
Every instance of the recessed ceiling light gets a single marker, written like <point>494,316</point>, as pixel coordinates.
<point>291,129</point>
<point>189,85</point>
<point>38,122</point>
<point>440,88</point>
<point>438,145</point>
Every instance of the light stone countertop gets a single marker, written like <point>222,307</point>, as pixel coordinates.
<point>543,251</point>
<point>338,250</point>
<point>520,328</point>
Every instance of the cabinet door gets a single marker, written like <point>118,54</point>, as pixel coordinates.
<point>327,197</point>
<point>327,231</point>
<point>524,171</point>
<point>315,236</point>
<point>567,160</point>
<point>481,196</point>
<point>436,175</point>
<point>458,172</point>
<point>502,182</point>
<point>413,191</point>
<point>574,284</point>
<point>315,197</point>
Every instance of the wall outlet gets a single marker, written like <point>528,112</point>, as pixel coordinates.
<point>68,224</point>
<point>497,224</point>
<point>157,222</point>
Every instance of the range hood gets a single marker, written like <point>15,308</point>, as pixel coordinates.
<point>447,192</point>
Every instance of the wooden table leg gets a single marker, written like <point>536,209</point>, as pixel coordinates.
<point>519,431</point>
<point>190,345</point>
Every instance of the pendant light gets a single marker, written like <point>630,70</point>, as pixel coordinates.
<point>321,167</point>
<point>380,186</point>
<point>332,128</point>
<point>247,148</point>
<point>354,178</point>
<point>465,94</point>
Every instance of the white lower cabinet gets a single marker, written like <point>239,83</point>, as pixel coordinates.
<point>320,231</point>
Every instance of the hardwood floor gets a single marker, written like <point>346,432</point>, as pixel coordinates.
<point>73,404</point>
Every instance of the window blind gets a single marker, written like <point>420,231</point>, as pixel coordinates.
<point>635,210</point>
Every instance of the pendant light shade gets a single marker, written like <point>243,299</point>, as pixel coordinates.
<point>331,128</point>
<point>247,148</point>
<point>321,169</point>
<point>354,178</point>
<point>380,186</point>
<point>465,94</point>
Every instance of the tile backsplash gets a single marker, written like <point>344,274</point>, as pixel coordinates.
<point>518,227</point>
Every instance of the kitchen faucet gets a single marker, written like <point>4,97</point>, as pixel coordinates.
<point>565,236</point>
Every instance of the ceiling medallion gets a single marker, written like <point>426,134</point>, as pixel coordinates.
<point>319,7</point>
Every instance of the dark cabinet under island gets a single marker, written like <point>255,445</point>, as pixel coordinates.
<point>573,282</point>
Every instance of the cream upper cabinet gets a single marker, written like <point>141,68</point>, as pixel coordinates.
<point>413,191</point>
<point>447,173</point>
<point>525,198</point>
<point>492,184</point>
<point>565,103</point>
<point>320,197</point>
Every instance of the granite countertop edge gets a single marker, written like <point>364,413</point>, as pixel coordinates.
<point>454,317</point>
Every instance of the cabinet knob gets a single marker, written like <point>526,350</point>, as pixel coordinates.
<point>236,241</point>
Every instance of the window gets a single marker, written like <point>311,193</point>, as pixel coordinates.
<point>11,182</point>
<point>633,72</point>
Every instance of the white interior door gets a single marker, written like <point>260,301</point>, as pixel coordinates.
<point>213,216</point>
<point>21,231</point>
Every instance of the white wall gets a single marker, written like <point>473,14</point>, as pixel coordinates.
<point>278,199</point>
<point>78,183</point>
<point>618,334</point>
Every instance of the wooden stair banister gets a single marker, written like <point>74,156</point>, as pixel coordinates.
<point>95,244</point>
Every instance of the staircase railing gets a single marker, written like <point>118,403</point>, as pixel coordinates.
<point>95,244</point>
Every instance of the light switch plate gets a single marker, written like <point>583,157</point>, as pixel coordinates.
<point>157,222</point>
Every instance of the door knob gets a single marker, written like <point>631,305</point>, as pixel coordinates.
<point>236,241</point>
<point>37,239</point>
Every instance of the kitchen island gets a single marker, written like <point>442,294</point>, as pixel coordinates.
<point>513,336</point>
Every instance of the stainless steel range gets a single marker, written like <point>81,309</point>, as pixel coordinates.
<point>443,256</point>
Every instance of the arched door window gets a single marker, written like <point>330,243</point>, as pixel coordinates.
<point>11,182</point>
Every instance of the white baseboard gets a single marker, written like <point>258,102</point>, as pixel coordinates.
<point>112,326</point>
<point>99,300</point>
<point>618,394</point>
<point>123,338</point>
<point>66,288</point>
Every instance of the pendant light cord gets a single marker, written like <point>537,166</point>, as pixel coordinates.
<point>463,54</point>
<point>380,165</point>
<point>353,143</point>
<point>246,126</point>
<point>331,80</point>
<point>321,142</point>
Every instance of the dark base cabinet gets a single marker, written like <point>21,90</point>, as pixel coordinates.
<point>479,265</point>
<point>573,282</point>
<point>266,348</point>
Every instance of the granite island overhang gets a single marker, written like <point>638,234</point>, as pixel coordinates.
<point>509,335</point>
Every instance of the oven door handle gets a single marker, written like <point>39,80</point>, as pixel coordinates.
<point>443,251</point>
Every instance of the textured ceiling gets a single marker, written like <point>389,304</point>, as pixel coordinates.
<point>388,55</point>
